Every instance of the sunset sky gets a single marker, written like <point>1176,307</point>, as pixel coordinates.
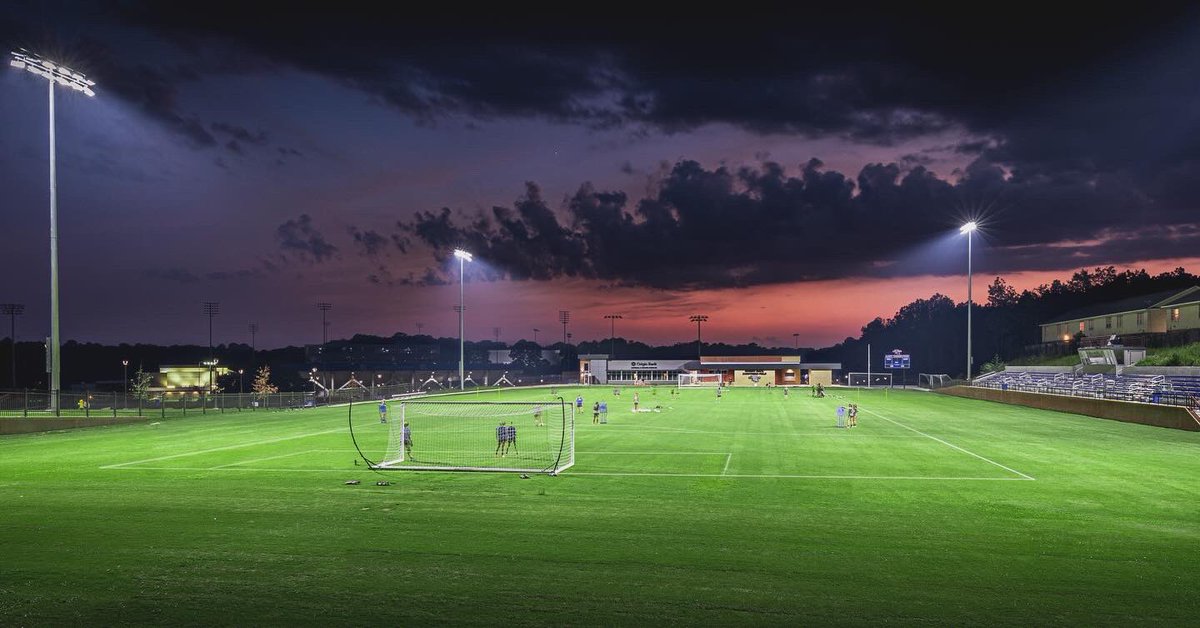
<point>782,172</point>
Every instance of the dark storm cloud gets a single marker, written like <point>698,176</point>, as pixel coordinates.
<point>370,242</point>
<point>740,227</point>
<point>299,238</point>
<point>241,134</point>
<point>874,75</point>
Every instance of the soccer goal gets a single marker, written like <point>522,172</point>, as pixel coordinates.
<point>869,380</point>
<point>514,436</point>
<point>692,380</point>
<point>933,380</point>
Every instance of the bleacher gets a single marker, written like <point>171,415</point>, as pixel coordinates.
<point>1181,390</point>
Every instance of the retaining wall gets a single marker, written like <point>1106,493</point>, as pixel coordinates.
<point>1174,417</point>
<point>27,426</point>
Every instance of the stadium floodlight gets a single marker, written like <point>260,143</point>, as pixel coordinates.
<point>55,74</point>
<point>463,258</point>
<point>612,337</point>
<point>967,230</point>
<point>697,319</point>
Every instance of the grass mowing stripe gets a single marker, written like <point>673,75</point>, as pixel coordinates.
<point>225,448</point>
<point>951,445</point>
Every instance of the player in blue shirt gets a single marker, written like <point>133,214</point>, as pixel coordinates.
<point>383,412</point>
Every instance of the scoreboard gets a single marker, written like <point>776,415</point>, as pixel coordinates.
<point>896,360</point>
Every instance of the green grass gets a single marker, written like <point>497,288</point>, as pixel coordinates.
<point>753,510</point>
<point>1042,360</point>
<point>1187,355</point>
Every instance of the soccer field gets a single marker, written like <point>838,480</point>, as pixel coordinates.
<point>751,509</point>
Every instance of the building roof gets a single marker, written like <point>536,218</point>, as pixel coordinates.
<point>793,363</point>
<point>1191,295</point>
<point>1131,304</point>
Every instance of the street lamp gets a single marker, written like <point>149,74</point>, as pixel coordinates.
<point>463,258</point>
<point>125,373</point>
<point>968,229</point>
<point>61,75</point>
<point>241,388</point>
<point>612,334</point>
<point>697,319</point>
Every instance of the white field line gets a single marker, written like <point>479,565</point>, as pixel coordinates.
<point>832,432</point>
<point>952,445</point>
<point>254,460</point>
<point>728,458</point>
<point>225,448</point>
<point>797,477</point>
<point>601,474</point>
<point>656,453</point>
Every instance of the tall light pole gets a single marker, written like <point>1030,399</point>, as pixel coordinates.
<point>253,338</point>
<point>54,74</point>
<point>968,229</point>
<point>211,309</point>
<point>564,317</point>
<point>12,311</point>
<point>496,333</point>
<point>612,332</point>
<point>241,389</point>
<point>125,378</point>
<point>796,338</point>
<point>463,258</point>
<point>697,319</point>
<point>324,307</point>
<point>535,333</point>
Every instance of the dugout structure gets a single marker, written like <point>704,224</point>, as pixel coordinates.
<point>443,435</point>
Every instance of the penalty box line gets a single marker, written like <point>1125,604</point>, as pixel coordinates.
<point>952,446</point>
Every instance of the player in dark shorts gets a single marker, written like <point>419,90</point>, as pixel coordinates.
<point>407,437</point>
<point>501,439</point>
<point>511,437</point>
<point>595,413</point>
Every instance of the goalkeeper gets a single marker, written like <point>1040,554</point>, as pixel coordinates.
<point>407,437</point>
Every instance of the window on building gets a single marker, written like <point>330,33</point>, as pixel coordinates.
<point>1091,324</point>
<point>1175,314</point>
<point>1080,325</point>
<point>1108,322</point>
<point>1140,318</point>
<point>1120,320</point>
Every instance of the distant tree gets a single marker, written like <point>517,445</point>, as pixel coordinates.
<point>1000,294</point>
<point>140,384</point>
<point>527,356</point>
<point>994,365</point>
<point>262,382</point>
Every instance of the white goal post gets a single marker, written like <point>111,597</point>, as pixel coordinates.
<point>514,436</point>
<point>692,380</point>
<point>933,380</point>
<point>869,380</point>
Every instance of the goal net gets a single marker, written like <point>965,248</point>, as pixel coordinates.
<point>515,436</point>
<point>869,380</point>
<point>933,380</point>
<point>688,380</point>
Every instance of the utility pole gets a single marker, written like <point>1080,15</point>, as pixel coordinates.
<point>12,311</point>
<point>564,317</point>
<point>253,344</point>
